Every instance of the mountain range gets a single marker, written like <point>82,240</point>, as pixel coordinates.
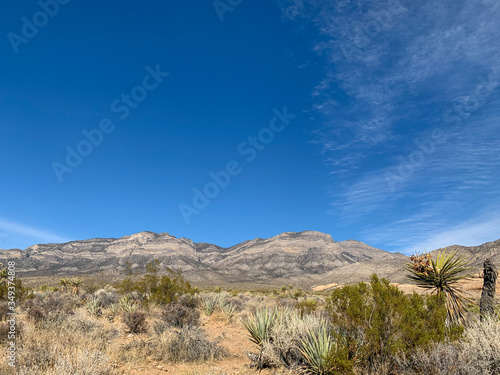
<point>306,258</point>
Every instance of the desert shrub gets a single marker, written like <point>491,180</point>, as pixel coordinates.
<point>155,289</point>
<point>106,296</point>
<point>477,353</point>
<point>93,284</point>
<point>49,309</point>
<point>180,315</point>
<point>135,321</point>
<point>22,293</point>
<point>35,315</point>
<point>307,306</point>
<point>188,344</point>
<point>83,363</point>
<point>376,321</point>
<point>10,332</point>
<point>77,346</point>
<point>4,310</point>
<point>94,307</point>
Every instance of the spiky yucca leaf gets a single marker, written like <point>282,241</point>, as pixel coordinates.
<point>441,276</point>
<point>208,303</point>
<point>259,324</point>
<point>316,346</point>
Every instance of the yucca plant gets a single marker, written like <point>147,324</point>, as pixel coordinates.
<point>126,304</point>
<point>221,299</point>
<point>113,311</point>
<point>441,276</point>
<point>259,325</point>
<point>229,310</point>
<point>208,303</point>
<point>316,348</point>
<point>94,307</point>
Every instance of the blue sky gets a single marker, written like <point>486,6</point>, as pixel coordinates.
<point>368,120</point>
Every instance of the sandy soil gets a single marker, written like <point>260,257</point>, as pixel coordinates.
<point>230,335</point>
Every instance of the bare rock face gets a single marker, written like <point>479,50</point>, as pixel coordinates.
<point>305,258</point>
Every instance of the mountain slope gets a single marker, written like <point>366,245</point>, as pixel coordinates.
<point>307,258</point>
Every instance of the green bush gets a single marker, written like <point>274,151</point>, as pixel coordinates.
<point>154,289</point>
<point>375,322</point>
<point>307,306</point>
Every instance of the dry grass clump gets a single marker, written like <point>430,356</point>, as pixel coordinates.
<point>188,344</point>
<point>135,321</point>
<point>180,315</point>
<point>478,353</point>
<point>77,345</point>
<point>4,310</point>
<point>106,296</point>
<point>50,309</point>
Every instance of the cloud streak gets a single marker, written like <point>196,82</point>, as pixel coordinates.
<point>394,70</point>
<point>38,234</point>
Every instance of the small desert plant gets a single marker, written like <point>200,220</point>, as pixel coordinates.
<point>4,310</point>
<point>94,307</point>
<point>49,309</point>
<point>208,303</point>
<point>259,325</point>
<point>188,344</point>
<point>229,310</point>
<point>83,363</point>
<point>76,283</point>
<point>180,315</point>
<point>307,306</point>
<point>106,296</point>
<point>126,304</point>
<point>135,321</point>
<point>316,347</point>
<point>113,312</point>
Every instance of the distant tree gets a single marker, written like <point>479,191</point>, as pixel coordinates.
<point>486,304</point>
<point>441,276</point>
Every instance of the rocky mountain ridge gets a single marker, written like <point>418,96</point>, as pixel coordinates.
<point>307,258</point>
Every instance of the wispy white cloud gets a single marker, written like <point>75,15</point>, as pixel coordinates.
<point>38,235</point>
<point>420,233</point>
<point>398,66</point>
